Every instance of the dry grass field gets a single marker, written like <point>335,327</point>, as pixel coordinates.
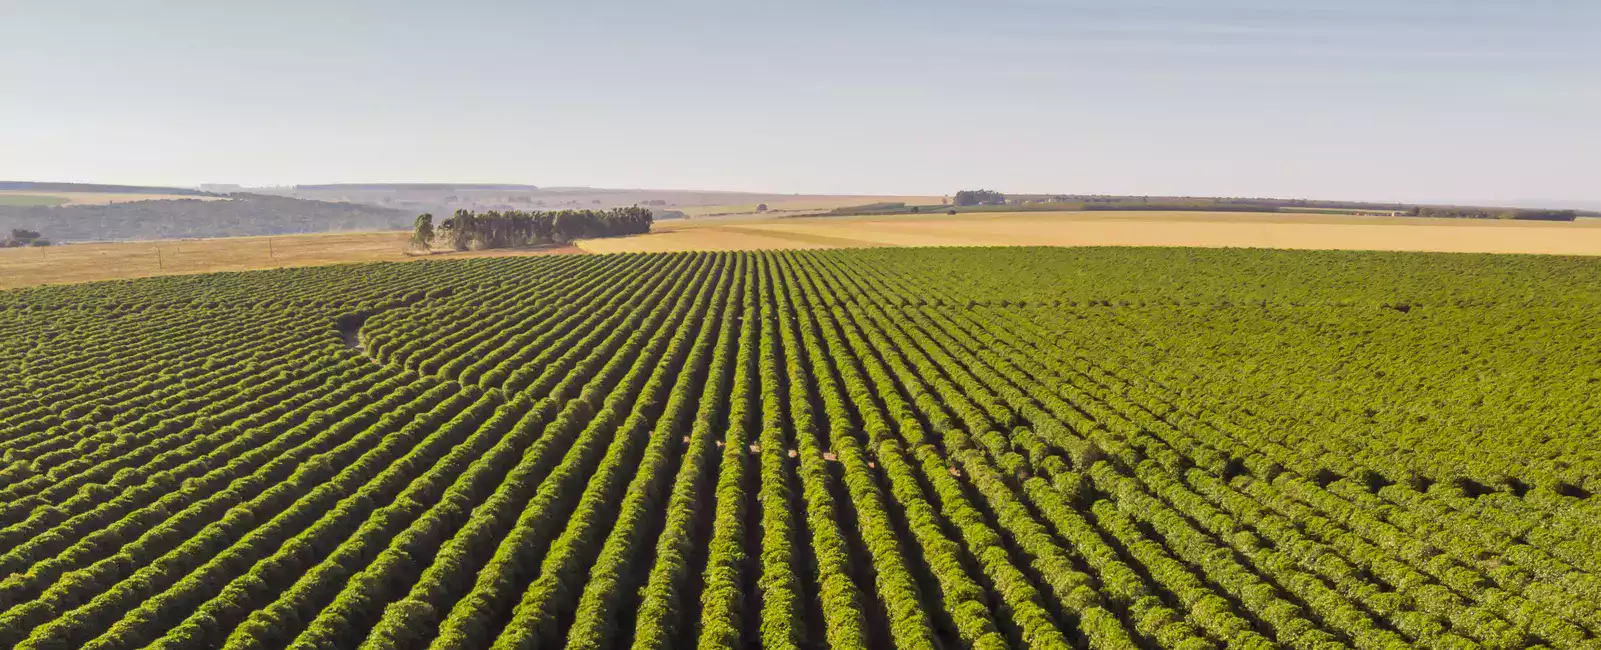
<point>29,197</point>
<point>20,267</point>
<point>1205,229</point>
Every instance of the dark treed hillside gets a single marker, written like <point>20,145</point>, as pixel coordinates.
<point>242,215</point>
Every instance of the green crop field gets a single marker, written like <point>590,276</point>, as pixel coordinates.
<point>867,448</point>
<point>27,200</point>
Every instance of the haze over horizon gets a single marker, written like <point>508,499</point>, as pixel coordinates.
<point>1427,100</point>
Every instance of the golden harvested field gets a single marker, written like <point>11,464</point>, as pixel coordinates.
<point>20,267</point>
<point>101,198</point>
<point>1204,229</point>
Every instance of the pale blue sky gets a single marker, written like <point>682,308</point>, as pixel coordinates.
<point>1360,99</point>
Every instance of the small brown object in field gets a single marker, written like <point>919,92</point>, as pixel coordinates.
<point>829,455</point>
<point>719,444</point>
<point>955,472</point>
<point>872,464</point>
<point>755,449</point>
<point>686,440</point>
<point>792,453</point>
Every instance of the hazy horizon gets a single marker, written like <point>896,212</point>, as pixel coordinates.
<point>1515,202</point>
<point>1466,101</point>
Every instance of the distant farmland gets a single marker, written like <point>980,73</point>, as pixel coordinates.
<point>21,267</point>
<point>87,262</point>
<point>24,197</point>
<point>30,199</point>
<point>1205,229</point>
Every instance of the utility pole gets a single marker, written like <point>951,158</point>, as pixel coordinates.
<point>159,267</point>
<point>269,249</point>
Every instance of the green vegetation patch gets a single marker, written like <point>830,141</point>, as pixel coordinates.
<point>31,200</point>
<point>889,448</point>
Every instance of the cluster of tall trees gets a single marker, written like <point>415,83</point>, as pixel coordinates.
<point>980,197</point>
<point>20,237</point>
<point>494,229</point>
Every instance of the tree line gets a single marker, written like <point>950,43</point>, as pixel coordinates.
<point>980,197</point>
<point>20,237</point>
<point>1090,202</point>
<point>467,230</point>
<point>1454,212</point>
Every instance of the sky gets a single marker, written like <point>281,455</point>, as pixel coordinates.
<point>1407,100</point>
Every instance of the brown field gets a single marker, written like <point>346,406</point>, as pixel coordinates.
<point>20,267</point>
<point>102,198</point>
<point>1205,229</point>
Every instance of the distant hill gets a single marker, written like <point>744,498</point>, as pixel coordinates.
<point>241,215</point>
<point>1560,204</point>
<point>30,186</point>
<point>417,187</point>
<point>446,198</point>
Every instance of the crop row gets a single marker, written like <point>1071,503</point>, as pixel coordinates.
<point>805,449</point>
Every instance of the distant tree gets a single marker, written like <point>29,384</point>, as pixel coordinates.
<point>980,197</point>
<point>423,232</point>
<point>916,209</point>
<point>950,212</point>
<point>458,229</point>
<point>567,226</point>
<point>20,237</point>
<point>761,208</point>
